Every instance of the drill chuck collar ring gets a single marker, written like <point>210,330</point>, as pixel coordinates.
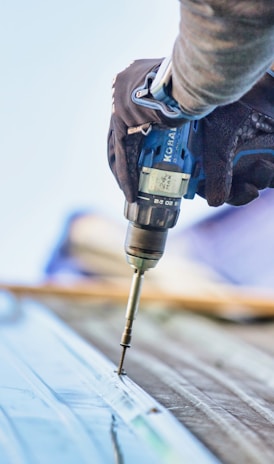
<point>143,246</point>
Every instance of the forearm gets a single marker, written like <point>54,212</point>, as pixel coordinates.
<point>222,49</point>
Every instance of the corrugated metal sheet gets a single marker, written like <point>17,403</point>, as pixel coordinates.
<point>61,401</point>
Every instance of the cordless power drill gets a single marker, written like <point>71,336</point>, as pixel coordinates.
<point>168,172</point>
<point>169,168</point>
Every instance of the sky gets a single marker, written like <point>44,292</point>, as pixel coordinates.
<point>58,59</point>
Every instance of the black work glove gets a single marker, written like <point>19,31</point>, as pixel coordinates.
<point>129,122</point>
<point>242,126</point>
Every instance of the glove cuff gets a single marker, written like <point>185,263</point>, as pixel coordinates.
<point>161,90</point>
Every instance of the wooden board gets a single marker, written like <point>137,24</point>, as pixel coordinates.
<point>230,303</point>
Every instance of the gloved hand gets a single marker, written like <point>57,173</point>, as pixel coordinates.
<point>129,122</point>
<point>246,125</point>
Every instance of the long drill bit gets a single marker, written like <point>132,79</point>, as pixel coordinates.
<point>131,311</point>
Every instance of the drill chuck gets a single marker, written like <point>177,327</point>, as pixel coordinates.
<point>144,246</point>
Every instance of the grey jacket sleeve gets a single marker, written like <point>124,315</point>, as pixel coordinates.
<point>223,48</point>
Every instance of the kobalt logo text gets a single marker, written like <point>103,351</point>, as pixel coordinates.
<point>170,144</point>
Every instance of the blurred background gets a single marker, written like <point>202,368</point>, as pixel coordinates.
<point>58,59</point>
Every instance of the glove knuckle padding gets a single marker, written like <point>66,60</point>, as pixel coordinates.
<point>256,167</point>
<point>246,129</point>
<point>219,141</point>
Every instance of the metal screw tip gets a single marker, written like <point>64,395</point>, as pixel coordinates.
<point>120,368</point>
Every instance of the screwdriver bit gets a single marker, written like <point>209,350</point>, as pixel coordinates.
<point>132,309</point>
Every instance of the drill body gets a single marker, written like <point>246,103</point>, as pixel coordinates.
<point>168,170</point>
